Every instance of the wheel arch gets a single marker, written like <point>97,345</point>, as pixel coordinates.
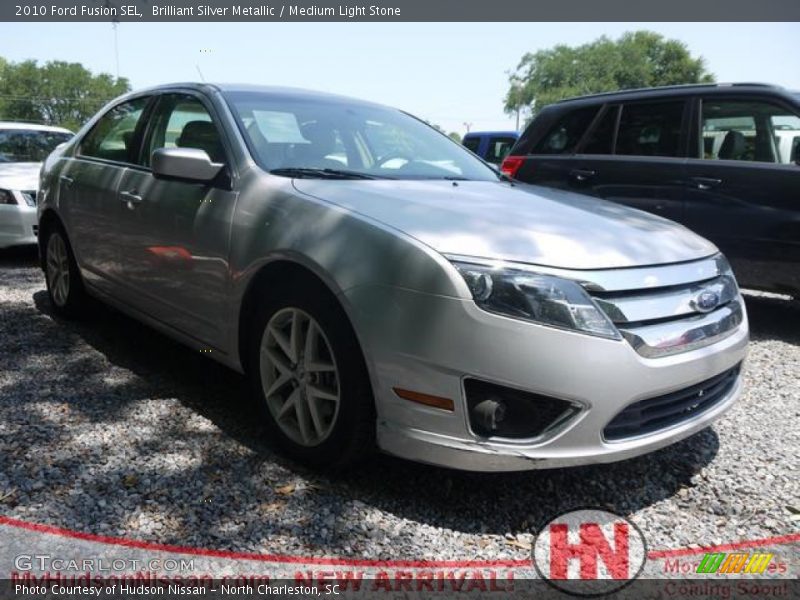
<point>289,270</point>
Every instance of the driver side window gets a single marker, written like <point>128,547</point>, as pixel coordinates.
<point>183,122</point>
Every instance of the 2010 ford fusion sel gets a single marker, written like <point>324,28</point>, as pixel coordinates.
<point>382,286</point>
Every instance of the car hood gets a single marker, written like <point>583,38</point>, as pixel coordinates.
<point>522,223</point>
<point>20,176</point>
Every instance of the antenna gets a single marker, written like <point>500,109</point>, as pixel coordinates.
<point>199,72</point>
<point>115,24</point>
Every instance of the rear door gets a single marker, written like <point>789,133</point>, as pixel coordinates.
<point>743,186</point>
<point>176,261</point>
<point>632,153</point>
<point>88,190</point>
<point>645,168</point>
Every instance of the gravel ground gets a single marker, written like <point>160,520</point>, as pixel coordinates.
<point>110,428</point>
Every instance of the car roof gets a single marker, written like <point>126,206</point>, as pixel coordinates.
<point>31,126</point>
<point>269,90</point>
<point>674,90</point>
<point>481,133</point>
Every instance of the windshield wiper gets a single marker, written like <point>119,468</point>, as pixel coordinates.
<point>308,172</point>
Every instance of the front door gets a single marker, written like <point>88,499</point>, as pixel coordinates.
<point>177,263</point>
<point>744,188</point>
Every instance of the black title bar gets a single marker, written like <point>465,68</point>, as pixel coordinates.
<point>400,10</point>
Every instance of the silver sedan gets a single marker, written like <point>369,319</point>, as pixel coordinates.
<point>23,147</point>
<point>382,286</point>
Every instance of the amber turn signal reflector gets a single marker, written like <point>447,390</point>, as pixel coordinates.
<point>426,399</point>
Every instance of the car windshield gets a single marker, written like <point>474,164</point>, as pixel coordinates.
<point>334,138</point>
<point>29,145</point>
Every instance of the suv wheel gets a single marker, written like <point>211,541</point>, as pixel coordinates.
<point>310,380</point>
<point>63,279</point>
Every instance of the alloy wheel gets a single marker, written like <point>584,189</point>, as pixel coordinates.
<point>299,376</point>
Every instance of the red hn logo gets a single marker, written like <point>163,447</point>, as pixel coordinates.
<point>589,552</point>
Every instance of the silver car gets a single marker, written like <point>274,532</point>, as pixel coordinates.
<point>382,286</point>
<point>23,147</point>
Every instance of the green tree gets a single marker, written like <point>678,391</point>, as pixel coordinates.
<point>55,93</point>
<point>637,59</point>
<point>454,135</point>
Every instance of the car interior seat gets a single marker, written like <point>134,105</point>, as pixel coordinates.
<point>202,135</point>
<point>733,146</point>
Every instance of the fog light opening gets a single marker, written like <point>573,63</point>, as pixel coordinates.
<point>503,412</point>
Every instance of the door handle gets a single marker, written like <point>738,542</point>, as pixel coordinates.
<point>130,198</point>
<point>582,174</point>
<point>705,183</point>
<point>66,180</point>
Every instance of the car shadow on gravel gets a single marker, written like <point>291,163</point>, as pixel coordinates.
<point>773,318</point>
<point>471,503</point>
<point>19,257</point>
<point>235,472</point>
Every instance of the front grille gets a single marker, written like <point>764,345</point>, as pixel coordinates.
<point>651,415</point>
<point>672,316</point>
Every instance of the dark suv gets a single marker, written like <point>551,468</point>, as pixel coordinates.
<point>724,160</point>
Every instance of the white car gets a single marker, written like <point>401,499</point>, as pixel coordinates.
<point>23,147</point>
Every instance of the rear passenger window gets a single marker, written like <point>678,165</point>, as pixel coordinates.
<point>112,136</point>
<point>601,138</point>
<point>566,134</point>
<point>651,129</point>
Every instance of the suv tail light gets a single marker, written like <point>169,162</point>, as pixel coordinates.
<point>512,164</point>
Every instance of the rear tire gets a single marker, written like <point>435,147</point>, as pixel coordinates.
<point>62,276</point>
<point>309,378</point>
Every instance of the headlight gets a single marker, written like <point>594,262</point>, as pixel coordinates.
<point>7,197</point>
<point>543,299</point>
<point>30,198</point>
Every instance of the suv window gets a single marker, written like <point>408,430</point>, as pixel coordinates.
<point>601,138</point>
<point>112,137</point>
<point>566,133</point>
<point>499,147</point>
<point>650,129</point>
<point>182,121</point>
<point>748,130</point>
<point>472,144</point>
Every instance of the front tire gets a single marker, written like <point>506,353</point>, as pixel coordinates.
<point>62,276</point>
<point>309,378</point>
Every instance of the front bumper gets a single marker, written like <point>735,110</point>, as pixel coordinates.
<point>429,344</point>
<point>18,225</point>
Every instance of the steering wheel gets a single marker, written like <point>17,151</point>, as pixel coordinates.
<point>380,161</point>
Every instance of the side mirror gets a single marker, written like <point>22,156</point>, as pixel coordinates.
<point>191,164</point>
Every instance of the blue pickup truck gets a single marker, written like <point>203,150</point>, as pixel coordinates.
<point>491,146</point>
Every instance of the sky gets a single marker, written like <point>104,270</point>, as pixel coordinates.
<point>450,74</point>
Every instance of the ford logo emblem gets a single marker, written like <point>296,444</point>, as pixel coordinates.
<point>706,301</point>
